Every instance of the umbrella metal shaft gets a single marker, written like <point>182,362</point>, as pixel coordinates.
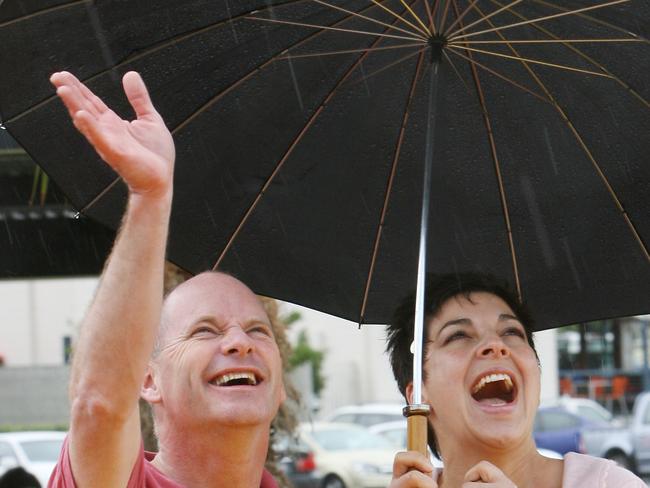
<point>424,227</point>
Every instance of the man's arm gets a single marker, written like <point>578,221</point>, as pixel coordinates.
<point>119,329</point>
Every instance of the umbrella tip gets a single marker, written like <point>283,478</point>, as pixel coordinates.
<point>437,42</point>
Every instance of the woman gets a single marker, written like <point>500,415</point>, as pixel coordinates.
<point>481,378</point>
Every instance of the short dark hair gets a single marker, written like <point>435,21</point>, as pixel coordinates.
<point>438,290</point>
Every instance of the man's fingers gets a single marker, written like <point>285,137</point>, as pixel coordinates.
<point>75,95</point>
<point>411,460</point>
<point>138,96</point>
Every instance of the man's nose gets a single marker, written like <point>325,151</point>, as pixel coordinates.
<point>236,341</point>
<point>493,347</point>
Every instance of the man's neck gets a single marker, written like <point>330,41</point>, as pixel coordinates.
<point>223,456</point>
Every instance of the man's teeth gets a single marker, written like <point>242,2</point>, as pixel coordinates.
<point>491,378</point>
<point>227,378</point>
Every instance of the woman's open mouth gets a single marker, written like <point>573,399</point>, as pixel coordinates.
<point>494,390</point>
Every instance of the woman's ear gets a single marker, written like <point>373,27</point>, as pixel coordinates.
<point>149,391</point>
<point>409,394</point>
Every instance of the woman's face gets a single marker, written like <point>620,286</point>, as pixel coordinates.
<point>482,377</point>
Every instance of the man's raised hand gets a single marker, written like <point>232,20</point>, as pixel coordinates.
<point>140,151</point>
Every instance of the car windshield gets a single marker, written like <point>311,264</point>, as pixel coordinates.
<point>594,414</point>
<point>346,439</point>
<point>42,451</point>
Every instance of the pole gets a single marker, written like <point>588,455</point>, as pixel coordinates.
<point>417,413</point>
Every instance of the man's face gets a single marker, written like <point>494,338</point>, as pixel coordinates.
<point>482,377</point>
<point>218,361</point>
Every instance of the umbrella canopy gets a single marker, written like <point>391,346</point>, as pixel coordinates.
<point>301,133</point>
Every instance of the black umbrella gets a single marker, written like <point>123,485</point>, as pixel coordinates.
<point>302,129</point>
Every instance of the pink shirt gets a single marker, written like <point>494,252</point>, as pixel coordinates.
<point>581,471</point>
<point>144,474</point>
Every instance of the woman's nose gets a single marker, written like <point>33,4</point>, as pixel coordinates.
<point>493,347</point>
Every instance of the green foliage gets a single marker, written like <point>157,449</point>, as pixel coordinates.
<point>304,353</point>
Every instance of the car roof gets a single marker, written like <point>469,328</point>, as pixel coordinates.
<point>32,435</point>
<point>390,408</point>
<point>313,426</point>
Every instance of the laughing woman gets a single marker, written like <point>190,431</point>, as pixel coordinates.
<point>481,378</point>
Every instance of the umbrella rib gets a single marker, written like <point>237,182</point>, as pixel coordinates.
<point>499,75</point>
<point>552,41</point>
<point>453,66</point>
<point>434,11</point>
<point>463,14</point>
<point>321,27</point>
<point>288,152</point>
<point>42,12</point>
<point>538,19</point>
<point>356,14</point>
<point>394,14</point>
<point>427,8</point>
<point>400,60</point>
<point>585,148</point>
<point>528,60</point>
<point>591,60</point>
<point>389,187</point>
<point>415,16</point>
<point>146,52</point>
<point>497,169</point>
<point>588,17</point>
<point>444,17</point>
<point>100,195</point>
<point>482,19</point>
<point>348,51</point>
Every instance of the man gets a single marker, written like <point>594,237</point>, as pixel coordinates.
<point>211,371</point>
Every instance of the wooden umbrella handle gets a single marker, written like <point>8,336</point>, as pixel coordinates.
<point>417,417</point>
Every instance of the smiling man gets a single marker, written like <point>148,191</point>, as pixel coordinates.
<point>205,359</point>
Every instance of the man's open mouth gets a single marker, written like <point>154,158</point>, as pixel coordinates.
<point>236,379</point>
<point>494,389</point>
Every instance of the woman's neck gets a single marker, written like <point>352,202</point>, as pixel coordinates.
<point>522,465</point>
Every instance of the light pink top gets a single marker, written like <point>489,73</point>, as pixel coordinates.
<point>581,471</point>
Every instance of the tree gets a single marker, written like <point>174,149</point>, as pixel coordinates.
<point>302,353</point>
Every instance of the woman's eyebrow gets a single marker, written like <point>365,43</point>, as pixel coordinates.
<point>461,321</point>
<point>508,316</point>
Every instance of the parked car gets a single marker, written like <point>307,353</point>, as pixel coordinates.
<point>297,463</point>
<point>348,455</point>
<point>584,407</point>
<point>36,451</point>
<point>628,446</point>
<point>559,430</point>
<point>368,414</point>
<point>395,432</point>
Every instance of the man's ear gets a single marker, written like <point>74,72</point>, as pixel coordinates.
<point>150,391</point>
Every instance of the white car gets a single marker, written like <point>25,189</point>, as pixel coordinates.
<point>348,455</point>
<point>395,432</point>
<point>36,452</point>
<point>586,408</point>
<point>368,414</point>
